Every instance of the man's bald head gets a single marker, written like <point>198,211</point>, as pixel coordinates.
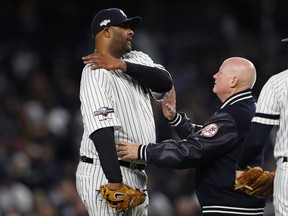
<point>235,74</point>
<point>244,70</point>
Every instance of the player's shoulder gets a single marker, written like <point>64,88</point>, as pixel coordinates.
<point>280,76</point>
<point>135,54</point>
<point>87,68</point>
<point>88,72</point>
<point>277,80</point>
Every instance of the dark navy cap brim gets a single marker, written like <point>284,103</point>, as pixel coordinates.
<point>133,21</point>
<point>284,40</point>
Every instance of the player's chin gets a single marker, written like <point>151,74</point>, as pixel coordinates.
<point>128,46</point>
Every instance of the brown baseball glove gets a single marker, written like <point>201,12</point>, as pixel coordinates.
<point>256,182</point>
<point>123,199</point>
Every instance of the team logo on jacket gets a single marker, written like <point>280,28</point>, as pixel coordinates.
<point>104,112</point>
<point>209,130</point>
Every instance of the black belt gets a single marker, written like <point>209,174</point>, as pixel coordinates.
<point>132,165</point>
<point>121,163</point>
<point>86,159</point>
<point>285,159</point>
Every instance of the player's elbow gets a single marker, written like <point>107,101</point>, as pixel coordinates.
<point>164,86</point>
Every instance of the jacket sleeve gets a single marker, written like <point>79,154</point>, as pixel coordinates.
<point>216,137</point>
<point>183,126</point>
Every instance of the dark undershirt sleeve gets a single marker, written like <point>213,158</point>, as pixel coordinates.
<point>158,80</point>
<point>253,144</point>
<point>105,145</point>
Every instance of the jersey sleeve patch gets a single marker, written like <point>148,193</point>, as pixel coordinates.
<point>104,113</point>
<point>209,130</point>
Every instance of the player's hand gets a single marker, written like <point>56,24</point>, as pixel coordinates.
<point>103,60</point>
<point>238,174</point>
<point>127,150</point>
<point>169,105</point>
<point>115,186</point>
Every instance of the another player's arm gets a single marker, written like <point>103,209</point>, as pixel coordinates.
<point>146,75</point>
<point>259,132</point>
<point>252,146</point>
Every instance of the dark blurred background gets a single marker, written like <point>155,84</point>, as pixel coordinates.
<point>41,45</point>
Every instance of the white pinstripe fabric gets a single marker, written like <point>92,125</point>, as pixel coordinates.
<point>273,101</point>
<point>280,196</point>
<point>90,177</point>
<point>132,119</point>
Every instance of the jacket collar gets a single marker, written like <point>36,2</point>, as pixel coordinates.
<point>243,95</point>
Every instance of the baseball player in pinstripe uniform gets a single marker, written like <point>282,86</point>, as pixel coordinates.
<point>271,110</point>
<point>116,88</point>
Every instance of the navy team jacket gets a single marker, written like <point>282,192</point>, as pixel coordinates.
<point>212,149</point>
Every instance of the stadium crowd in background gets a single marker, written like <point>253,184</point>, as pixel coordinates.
<point>42,43</point>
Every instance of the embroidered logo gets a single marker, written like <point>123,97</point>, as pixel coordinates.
<point>117,195</point>
<point>105,22</point>
<point>104,111</point>
<point>209,130</point>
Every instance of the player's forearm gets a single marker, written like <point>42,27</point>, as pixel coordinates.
<point>105,145</point>
<point>156,79</point>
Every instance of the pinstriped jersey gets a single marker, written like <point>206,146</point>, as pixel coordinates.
<point>114,99</point>
<point>272,110</point>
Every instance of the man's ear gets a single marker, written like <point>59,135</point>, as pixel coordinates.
<point>234,81</point>
<point>107,32</point>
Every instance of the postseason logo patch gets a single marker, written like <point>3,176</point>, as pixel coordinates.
<point>209,130</point>
<point>103,113</point>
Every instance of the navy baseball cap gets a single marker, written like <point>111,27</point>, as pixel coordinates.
<point>111,17</point>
